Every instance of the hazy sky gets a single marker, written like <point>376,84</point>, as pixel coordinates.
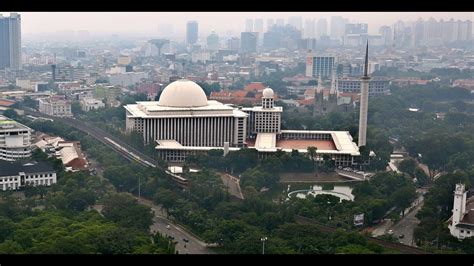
<point>148,22</point>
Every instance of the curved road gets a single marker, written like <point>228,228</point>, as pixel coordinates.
<point>194,245</point>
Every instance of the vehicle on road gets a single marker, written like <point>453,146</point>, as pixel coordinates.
<point>401,236</point>
<point>168,227</point>
<point>390,232</point>
<point>186,240</point>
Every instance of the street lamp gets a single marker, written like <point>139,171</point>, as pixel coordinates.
<point>263,239</point>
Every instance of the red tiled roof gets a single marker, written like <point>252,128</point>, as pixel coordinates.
<point>7,103</point>
<point>254,86</point>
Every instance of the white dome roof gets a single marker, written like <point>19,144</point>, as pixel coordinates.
<point>267,93</point>
<point>183,93</point>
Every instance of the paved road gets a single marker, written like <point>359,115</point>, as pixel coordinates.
<point>232,185</point>
<point>193,246</point>
<point>408,223</point>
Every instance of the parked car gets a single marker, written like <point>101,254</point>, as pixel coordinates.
<point>401,236</point>
<point>168,227</point>
<point>390,232</point>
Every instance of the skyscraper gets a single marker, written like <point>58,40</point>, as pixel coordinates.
<point>10,42</point>
<point>387,36</point>
<point>248,42</point>
<point>270,23</point>
<point>191,32</point>
<point>280,22</point>
<point>322,28</point>
<point>258,25</point>
<point>309,30</point>
<point>337,27</point>
<point>249,25</point>
<point>364,101</point>
<point>213,41</point>
<point>296,22</point>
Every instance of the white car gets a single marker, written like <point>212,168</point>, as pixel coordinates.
<point>168,227</point>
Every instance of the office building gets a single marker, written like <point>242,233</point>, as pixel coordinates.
<point>337,28</point>
<point>258,25</point>
<point>233,43</point>
<point>15,140</point>
<point>248,42</point>
<point>322,28</point>
<point>191,32</point>
<point>309,31</point>
<point>249,25</point>
<point>280,22</point>
<point>213,41</point>
<point>14,175</point>
<point>10,42</point>
<point>320,66</point>
<point>296,22</point>
<point>270,23</point>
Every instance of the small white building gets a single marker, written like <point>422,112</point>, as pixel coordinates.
<point>461,224</point>
<point>88,104</point>
<point>14,175</point>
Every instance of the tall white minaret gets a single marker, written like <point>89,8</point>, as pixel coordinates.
<point>459,205</point>
<point>364,101</point>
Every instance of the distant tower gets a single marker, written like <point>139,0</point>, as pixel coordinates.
<point>364,101</point>
<point>53,73</point>
<point>459,206</point>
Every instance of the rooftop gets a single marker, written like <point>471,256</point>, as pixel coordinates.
<point>14,168</point>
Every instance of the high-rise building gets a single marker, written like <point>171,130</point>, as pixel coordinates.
<point>248,42</point>
<point>249,25</point>
<point>280,22</point>
<point>10,42</point>
<point>270,23</point>
<point>337,27</point>
<point>296,22</point>
<point>213,41</point>
<point>322,28</point>
<point>320,66</point>
<point>258,26</point>
<point>191,32</point>
<point>386,32</point>
<point>364,101</point>
<point>233,43</point>
<point>309,30</point>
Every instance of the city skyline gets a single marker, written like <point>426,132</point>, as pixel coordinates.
<point>228,23</point>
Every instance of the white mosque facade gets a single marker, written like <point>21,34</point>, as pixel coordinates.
<point>185,122</point>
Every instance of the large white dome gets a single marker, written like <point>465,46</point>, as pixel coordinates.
<point>183,93</point>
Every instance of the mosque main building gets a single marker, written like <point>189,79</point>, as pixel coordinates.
<point>185,122</point>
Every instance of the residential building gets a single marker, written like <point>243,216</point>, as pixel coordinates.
<point>320,66</point>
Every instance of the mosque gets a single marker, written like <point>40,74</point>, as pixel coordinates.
<point>185,122</point>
